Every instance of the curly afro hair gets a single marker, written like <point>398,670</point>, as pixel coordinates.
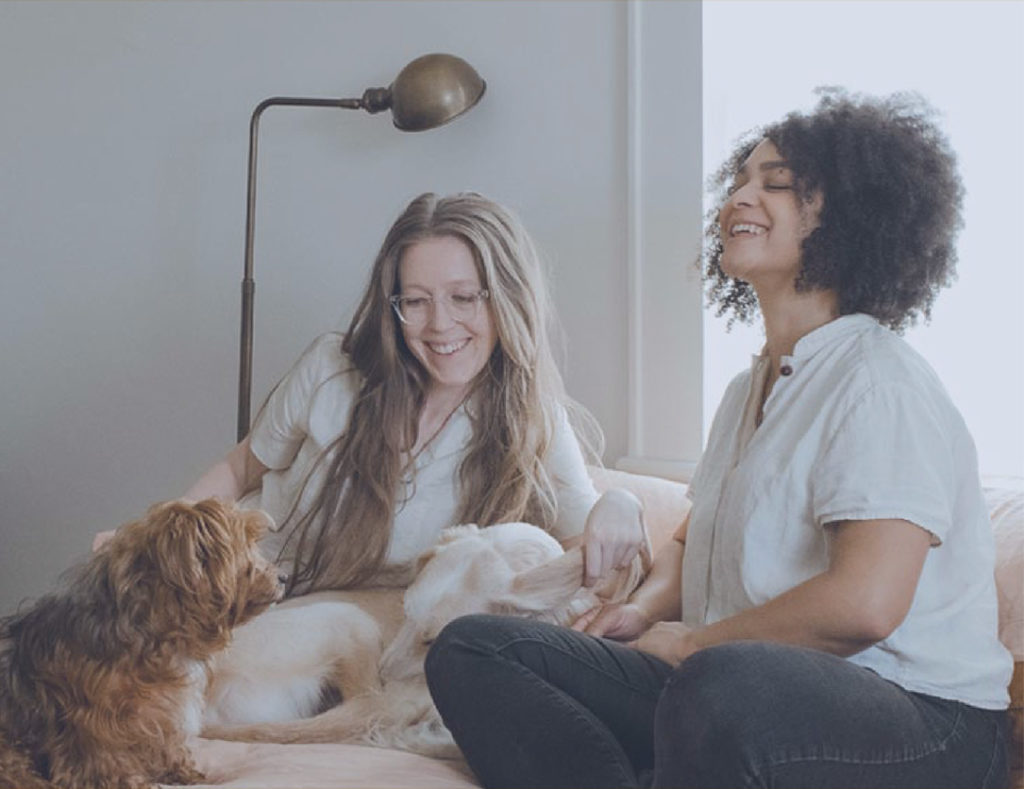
<point>891,207</point>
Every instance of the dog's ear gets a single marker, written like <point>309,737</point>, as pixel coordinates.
<point>544,588</point>
<point>194,543</point>
<point>453,533</point>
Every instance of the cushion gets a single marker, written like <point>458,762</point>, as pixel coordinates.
<point>665,502</point>
<point>1006,509</point>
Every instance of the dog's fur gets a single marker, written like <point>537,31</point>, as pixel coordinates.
<point>512,568</point>
<point>101,684</point>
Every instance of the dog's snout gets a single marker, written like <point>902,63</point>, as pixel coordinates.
<point>282,578</point>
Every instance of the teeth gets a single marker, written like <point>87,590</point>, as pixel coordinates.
<point>756,230</point>
<point>449,348</point>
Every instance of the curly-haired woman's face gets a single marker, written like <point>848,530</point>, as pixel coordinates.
<point>764,222</point>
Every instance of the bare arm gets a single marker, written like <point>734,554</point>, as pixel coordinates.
<point>230,478</point>
<point>860,599</point>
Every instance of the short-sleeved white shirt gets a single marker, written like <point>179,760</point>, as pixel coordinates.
<point>310,409</point>
<point>858,428</point>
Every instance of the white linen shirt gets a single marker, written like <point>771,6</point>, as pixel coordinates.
<point>308,411</point>
<point>857,427</point>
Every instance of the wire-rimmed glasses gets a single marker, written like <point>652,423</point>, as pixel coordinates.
<point>462,306</point>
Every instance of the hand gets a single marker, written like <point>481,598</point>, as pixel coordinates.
<point>613,535</point>
<point>620,621</point>
<point>673,642</point>
<point>101,539</point>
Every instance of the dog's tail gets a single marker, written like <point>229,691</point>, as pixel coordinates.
<point>346,722</point>
<point>554,591</point>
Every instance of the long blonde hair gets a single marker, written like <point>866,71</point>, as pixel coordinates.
<point>343,539</point>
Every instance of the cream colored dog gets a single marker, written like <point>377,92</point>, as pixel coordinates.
<point>370,645</point>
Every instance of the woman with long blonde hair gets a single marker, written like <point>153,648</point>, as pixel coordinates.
<point>441,404</point>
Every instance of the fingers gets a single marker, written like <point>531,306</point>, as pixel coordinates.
<point>583,620</point>
<point>101,539</point>
<point>603,622</point>
<point>593,567</point>
<point>646,554</point>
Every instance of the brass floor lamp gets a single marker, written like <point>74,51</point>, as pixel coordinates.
<point>428,92</point>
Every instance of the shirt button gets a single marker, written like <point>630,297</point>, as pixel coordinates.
<point>785,370</point>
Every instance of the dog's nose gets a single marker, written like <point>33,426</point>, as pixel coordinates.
<point>282,578</point>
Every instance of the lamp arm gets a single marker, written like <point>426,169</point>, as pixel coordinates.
<point>373,100</point>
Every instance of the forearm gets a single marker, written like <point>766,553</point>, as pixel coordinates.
<point>817,614</point>
<point>863,595</point>
<point>659,596</point>
<point>230,478</point>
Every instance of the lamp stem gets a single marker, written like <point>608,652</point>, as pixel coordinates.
<point>248,283</point>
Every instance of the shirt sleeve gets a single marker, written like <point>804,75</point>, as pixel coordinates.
<point>283,423</point>
<point>890,457</point>
<point>574,489</point>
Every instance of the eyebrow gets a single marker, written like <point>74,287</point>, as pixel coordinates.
<point>775,164</point>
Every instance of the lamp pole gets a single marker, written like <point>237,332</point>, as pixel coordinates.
<point>428,92</point>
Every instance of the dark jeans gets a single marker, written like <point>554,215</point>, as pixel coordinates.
<point>534,705</point>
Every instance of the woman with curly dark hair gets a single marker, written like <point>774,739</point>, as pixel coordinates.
<point>826,615</point>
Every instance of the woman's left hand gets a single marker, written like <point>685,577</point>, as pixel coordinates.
<point>673,642</point>
<point>614,534</point>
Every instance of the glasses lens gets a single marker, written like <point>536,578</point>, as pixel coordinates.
<point>463,306</point>
<point>415,310</point>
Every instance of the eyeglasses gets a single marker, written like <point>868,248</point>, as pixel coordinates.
<point>461,306</point>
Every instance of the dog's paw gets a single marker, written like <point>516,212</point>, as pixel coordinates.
<point>183,774</point>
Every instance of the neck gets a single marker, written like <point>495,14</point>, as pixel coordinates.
<point>440,401</point>
<point>789,318</point>
<point>438,407</point>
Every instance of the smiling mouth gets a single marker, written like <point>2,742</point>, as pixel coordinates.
<point>746,229</point>
<point>448,348</point>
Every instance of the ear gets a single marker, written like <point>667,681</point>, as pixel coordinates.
<point>546,587</point>
<point>453,533</point>
<point>256,523</point>
<point>191,543</point>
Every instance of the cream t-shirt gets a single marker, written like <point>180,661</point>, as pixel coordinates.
<point>858,427</point>
<point>309,410</point>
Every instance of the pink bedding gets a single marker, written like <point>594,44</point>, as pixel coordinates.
<point>263,765</point>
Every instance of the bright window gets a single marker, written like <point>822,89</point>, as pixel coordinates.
<point>763,59</point>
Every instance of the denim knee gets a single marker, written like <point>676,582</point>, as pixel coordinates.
<point>714,691</point>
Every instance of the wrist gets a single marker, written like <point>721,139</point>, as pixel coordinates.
<point>643,613</point>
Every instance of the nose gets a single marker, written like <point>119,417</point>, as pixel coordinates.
<point>282,578</point>
<point>743,195</point>
<point>440,314</point>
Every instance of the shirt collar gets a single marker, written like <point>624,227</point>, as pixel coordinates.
<point>812,342</point>
<point>831,332</point>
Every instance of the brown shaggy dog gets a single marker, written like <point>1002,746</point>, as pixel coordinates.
<point>101,684</point>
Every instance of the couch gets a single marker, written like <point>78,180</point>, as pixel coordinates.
<point>259,766</point>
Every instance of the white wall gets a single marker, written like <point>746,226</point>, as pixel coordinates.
<point>123,150</point>
<point>970,66</point>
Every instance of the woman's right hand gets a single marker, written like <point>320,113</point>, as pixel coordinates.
<point>618,621</point>
<point>102,538</point>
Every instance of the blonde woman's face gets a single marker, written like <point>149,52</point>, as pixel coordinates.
<point>438,281</point>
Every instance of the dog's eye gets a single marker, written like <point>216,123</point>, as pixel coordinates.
<point>427,642</point>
